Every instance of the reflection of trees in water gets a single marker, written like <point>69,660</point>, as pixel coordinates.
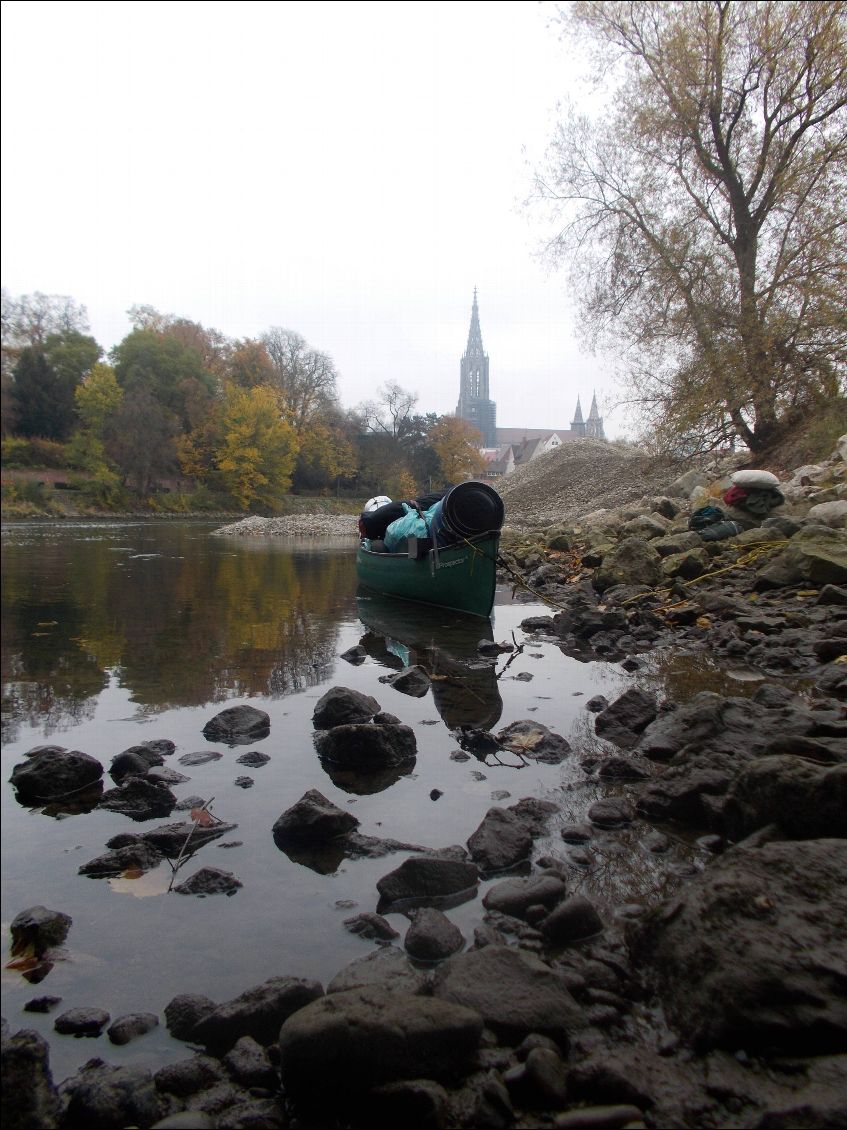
<point>39,705</point>
<point>191,621</point>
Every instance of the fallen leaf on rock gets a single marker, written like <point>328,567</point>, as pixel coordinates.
<point>202,817</point>
<point>132,873</point>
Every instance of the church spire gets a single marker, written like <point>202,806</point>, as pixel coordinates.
<point>474,348</point>
<point>594,424</point>
<point>577,416</point>
<point>593,413</point>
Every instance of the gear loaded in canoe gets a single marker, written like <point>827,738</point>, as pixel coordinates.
<point>451,562</point>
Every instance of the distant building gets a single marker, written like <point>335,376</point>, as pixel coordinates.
<point>507,448</point>
<point>475,405</point>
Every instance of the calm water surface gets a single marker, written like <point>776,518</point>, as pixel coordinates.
<point>117,634</point>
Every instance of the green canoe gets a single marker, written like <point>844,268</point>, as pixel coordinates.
<point>462,577</point>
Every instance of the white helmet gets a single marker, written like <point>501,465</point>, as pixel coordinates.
<point>375,503</point>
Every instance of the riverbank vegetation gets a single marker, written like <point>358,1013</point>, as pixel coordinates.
<point>181,419</point>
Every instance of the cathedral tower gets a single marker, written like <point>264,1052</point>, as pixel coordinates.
<point>474,403</point>
<point>594,423</point>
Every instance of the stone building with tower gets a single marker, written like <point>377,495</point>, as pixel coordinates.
<point>507,448</point>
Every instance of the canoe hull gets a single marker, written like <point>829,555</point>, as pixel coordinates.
<point>462,577</point>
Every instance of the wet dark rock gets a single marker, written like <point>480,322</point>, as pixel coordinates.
<point>139,856</point>
<point>28,1097</point>
<point>540,1081</point>
<point>571,920</point>
<point>101,1097</point>
<point>42,1004</point>
<point>537,624</point>
<point>534,740</point>
<point>313,819</point>
<point>139,799</point>
<point>514,992</point>
<point>189,1076</point>
<point>833,681</point>
<point>258,1012</point>
<point>161,774</point>
<point>171,839</point>
<point>410,1103</point>
<point>184,1012</point>
<point>186,803</point>
<point>516,896</point>
<point>131,1026</point>
<point>248,1064</point>
<point>209,881</point>
<point>367,747</point>
<point>611,812</point>
<point>40,928</point>
<point>364,1037</point>
<point>689,789</point>
<point>201,757</point>
<point>629,715</point>
<point>384,718</point>
<point>413,681</point>
<point>254,759</point>
<point>135,762</point>
<point>501,841</point>
<point>355,654</point>
<point>238,725</point>
<point>656,842</point>
<point>534,812</point>
<point>386,968</point>
<point>832,594</point>
<point>432,936</point>
<point>341,706</point>
<point>81,1022</point>
<point>622,769</point>
<point>427,878</point>
<point>370,925</point>
<point>243,782</point>
<point>806,800</point>
<point>51,773</point>
<point>577,833</point>
<point>774,915</point>
<point>601,1117</point>
<point>493,649</point>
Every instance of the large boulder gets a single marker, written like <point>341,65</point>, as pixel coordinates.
<point>313,819</point>
<point>238,725</point>
<point>629,715</point>
<point>386,968</point>
<point>101,1097</point>
<point>514,992</point>
<point>139,799</point>
<point>432,936</point>
<point>259,1012</point>
<point>817,554</point>
<point>633,561</point>
<point>342,706</point>
<point>367,747</point>
<point>427,879</point>
<point>29,1100</point>
<point>751,954</point>
<point>138,760</point>
<point>362,1037</point>
<point>501,841</point>
<point>51,772</point>
<point>808,801</point>
<point>515,896</point>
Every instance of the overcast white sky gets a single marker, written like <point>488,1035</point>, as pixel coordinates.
<point>347,170</point>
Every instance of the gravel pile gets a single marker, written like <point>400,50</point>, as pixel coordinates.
<point>577,478</point>
<point>294,525</point>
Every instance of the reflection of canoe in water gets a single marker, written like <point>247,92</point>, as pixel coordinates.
<point>460,577</point>
<point>464,685</point>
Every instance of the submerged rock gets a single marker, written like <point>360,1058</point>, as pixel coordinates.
<point>432,936</point>
<point>501,841</point>
<point>367,746</point>
<point>427,878</point>
<point>82,1022</point>
<point>209,881</point>
<point>413,681</point>
<point>131,1026</point>
<point>139,799</point>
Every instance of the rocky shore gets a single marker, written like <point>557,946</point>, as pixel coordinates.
<point>724,1006</point>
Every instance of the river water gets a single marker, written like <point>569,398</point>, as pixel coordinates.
<point>115,634</point>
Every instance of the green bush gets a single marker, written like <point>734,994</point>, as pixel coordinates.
<point>18,452</point>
